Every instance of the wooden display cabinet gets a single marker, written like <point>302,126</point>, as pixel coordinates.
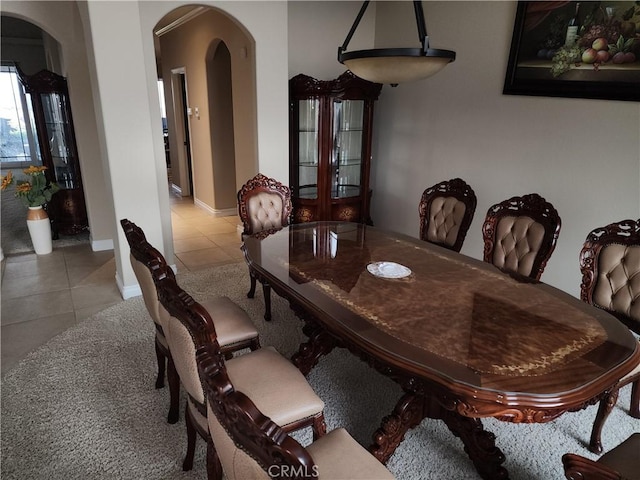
<point>330,147</point>
<point>49,97</point>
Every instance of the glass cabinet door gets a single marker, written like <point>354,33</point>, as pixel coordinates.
<point>346,157</point>
<point>308,123</point>
<point>59,140</point>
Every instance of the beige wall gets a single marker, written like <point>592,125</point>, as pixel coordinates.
<point>318,28</point>
<point>187,47</point>
<point>61,21</point>
<point>582,155</point>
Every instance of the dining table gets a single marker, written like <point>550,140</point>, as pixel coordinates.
<point>464,339</point>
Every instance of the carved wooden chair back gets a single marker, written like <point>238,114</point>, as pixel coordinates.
<point>264,204</point>
<point>446,211</point>
<point>610,267</point>
<point>621,463</point>
<point>145,260</point>
<point>248,444</point>
<point>520,235</point>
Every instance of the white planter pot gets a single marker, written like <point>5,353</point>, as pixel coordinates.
<point>39,230</point>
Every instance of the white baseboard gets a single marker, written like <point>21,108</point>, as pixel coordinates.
<point>216,212</point>
<point>101,245</point>
<point>128,291</point>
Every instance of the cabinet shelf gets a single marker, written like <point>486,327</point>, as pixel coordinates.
<point>56,140</point>
<point>330,147</point>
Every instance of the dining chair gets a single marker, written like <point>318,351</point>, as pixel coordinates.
<point>621,463</point>
<point>248,441</point>
<point>520,235</point>
<point>446,211</point>
<point>236,329</point>
<point>610,267</point>
<point>263,372</point>
<point>264,205</point>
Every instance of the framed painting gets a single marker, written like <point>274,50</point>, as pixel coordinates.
<point>575,49</point>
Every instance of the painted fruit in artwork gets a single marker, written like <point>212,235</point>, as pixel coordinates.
<point>602,56</point>
<point>589,55</point>
<point>600,44</point>
<point>618,58</point>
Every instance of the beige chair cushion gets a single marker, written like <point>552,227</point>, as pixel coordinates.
<point>445,216</point>
<point>275,385</point>
<point>617,287</point>
<point>232,323</point>
<point>625,458</point>
<point>237,464</point>
<point>338,456</point>
<point>517,242</point>
<point>265,211</point>
<point>149,292</point>
<point>183,352</point>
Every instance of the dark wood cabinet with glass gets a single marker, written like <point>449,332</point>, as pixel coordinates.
<point>51,114</point>
<point>330,147</point>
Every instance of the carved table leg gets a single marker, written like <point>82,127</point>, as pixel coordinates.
<point>408,413</point>
<point>320,343</point>
<point>479,444</point>
<point>604,409</point>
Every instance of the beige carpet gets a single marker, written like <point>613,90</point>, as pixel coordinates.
<point>84,406</point>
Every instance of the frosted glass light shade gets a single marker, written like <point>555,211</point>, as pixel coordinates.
<point>395,66</point>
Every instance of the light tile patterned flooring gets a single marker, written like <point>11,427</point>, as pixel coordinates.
<point>43,295</point>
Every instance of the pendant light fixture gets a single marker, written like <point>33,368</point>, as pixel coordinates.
<point>395,65</point>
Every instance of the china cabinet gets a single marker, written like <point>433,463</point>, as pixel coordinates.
<point>49,97</point>
<point>330,147</point>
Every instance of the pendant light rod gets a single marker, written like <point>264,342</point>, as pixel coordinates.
<point>356,22</point>
<point>422,28</point>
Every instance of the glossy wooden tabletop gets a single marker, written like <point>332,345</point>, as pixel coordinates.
<point>455,321</point>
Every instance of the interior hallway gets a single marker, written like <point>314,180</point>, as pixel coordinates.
<point>43,295</point>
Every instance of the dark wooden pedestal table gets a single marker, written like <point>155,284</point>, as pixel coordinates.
<point>464,340</point>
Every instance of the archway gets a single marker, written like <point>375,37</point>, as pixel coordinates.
<point>217,56</point>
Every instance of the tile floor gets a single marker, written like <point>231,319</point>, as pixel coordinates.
<point>44,295</point>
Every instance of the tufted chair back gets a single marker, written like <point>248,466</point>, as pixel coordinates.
<point>264,204</point>
<point>446,211</point>
<point>610,267</point>
<point>520,235</point>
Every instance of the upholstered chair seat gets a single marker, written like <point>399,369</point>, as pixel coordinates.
<point>233,326</point>
<point>255,374</point>
<point>272,378</point>
<point>264,205</point>
<point>237,330</point>
<point>338,455</point>
<point>520,235</point>
<point>446,211</point>
<point>249,444</point>
<point>610,267</point>
<point>621,463</point>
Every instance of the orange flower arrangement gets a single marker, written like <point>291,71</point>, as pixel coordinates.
<point>35,191</point>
